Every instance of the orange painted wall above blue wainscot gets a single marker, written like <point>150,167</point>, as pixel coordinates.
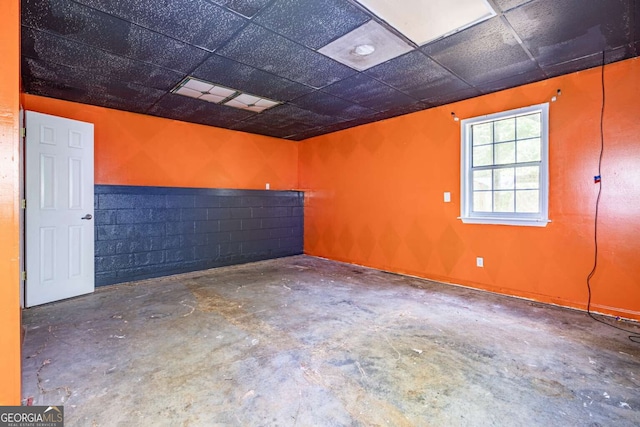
<point>375,197</point>
<point>135,149</point>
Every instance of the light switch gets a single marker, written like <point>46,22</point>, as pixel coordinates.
<point>447,197</point>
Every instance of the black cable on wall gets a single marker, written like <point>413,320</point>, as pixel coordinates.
<point>598,180</point>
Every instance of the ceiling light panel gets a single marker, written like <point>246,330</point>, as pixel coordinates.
<point>206,91</point>
<point>188,92</point>
<point>209,97</point>
<point>199,85</point>
<point>366,46</point>
<point>423,21</point>
<point>251,103</point>
<point>247,99</point>
<point>200,89</point>
<point>222,91</point>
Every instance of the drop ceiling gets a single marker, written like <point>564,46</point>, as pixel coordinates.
<point>279,57</point>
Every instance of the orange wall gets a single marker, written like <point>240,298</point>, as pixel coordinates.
<point>9,209</point>
<point>375,197</point>
<point>134,149</point>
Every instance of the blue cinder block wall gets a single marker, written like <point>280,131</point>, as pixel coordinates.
<point>144,232</point>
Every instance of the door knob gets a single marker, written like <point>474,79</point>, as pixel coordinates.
<point>87,216</point>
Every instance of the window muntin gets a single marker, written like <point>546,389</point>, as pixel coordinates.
<point>505,167</point>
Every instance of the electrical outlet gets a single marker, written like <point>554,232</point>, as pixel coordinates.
<point>267,186</point>
<point>479,262</point>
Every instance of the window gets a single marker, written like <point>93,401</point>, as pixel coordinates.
<point>505,167</point>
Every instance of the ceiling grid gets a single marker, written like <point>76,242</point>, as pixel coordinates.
<point>130,55</point>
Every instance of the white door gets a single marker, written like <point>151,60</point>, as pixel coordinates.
<point>59,212</point>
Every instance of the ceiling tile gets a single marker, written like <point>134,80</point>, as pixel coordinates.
<point>417,75</point>
<point>559,31</point>
<point>247,8</point>
<point>196,22</point>
<point>398,111</point>
<point>263,49</point>
<point>369,92</point>
<point>80,23</point>
<point>127,54</point>
<point>574,65</point>
<point>419,106</point>
<point>505,5</point>
<point>298,116</point>
<point>197,111</point>
<point>313,23</point>
<point>511,81</point>
<point>377,43</point>
<point>424,21</point>
<point>329,129</point>
<point>589,61</point>
<point>484,53</point>
<point>279,130</point>
<point>282,121</point>
<point>57,81</point>
<point>636,20</point>
<point>307,134</point>
<point>345,125</point>
<point>448,98</point>
<point>232,74</point>
<point>323,103</point>
<point>54,49</point>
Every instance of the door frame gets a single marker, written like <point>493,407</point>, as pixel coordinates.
<point>22,197</point>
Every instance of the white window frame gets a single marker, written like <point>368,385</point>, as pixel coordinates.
<point>467,215</point>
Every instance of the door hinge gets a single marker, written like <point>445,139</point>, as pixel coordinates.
<point>23,132</point>
<point>24,276</point>
<point>24,203</point>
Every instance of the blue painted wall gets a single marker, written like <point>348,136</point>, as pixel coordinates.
<point>144,232</point>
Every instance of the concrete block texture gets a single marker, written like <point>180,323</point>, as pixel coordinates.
<point>144,232</point>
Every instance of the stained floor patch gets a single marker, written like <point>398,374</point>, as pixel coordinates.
<point>303,341</point>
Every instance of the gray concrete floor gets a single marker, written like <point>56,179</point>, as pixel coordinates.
<point>302,341</point>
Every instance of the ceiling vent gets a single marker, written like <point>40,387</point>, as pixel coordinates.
<point>366,46</point>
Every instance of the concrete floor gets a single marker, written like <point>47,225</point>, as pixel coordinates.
<point>302,341</point>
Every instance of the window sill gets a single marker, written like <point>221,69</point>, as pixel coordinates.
<point>506,221</point>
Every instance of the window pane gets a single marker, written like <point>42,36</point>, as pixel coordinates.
<point>529,150</point>
<point>483,134</point>
<point>529,126</point>
<point>505,130</point>
<point>482,180</point>
<point>483,155</point>
<point>506,160</point>
<point>528,201</point>
<point>504,179</point>
<point>505,153</point>
<point>503,201</point>
<point>482,201</point>
<point>528,177</point>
